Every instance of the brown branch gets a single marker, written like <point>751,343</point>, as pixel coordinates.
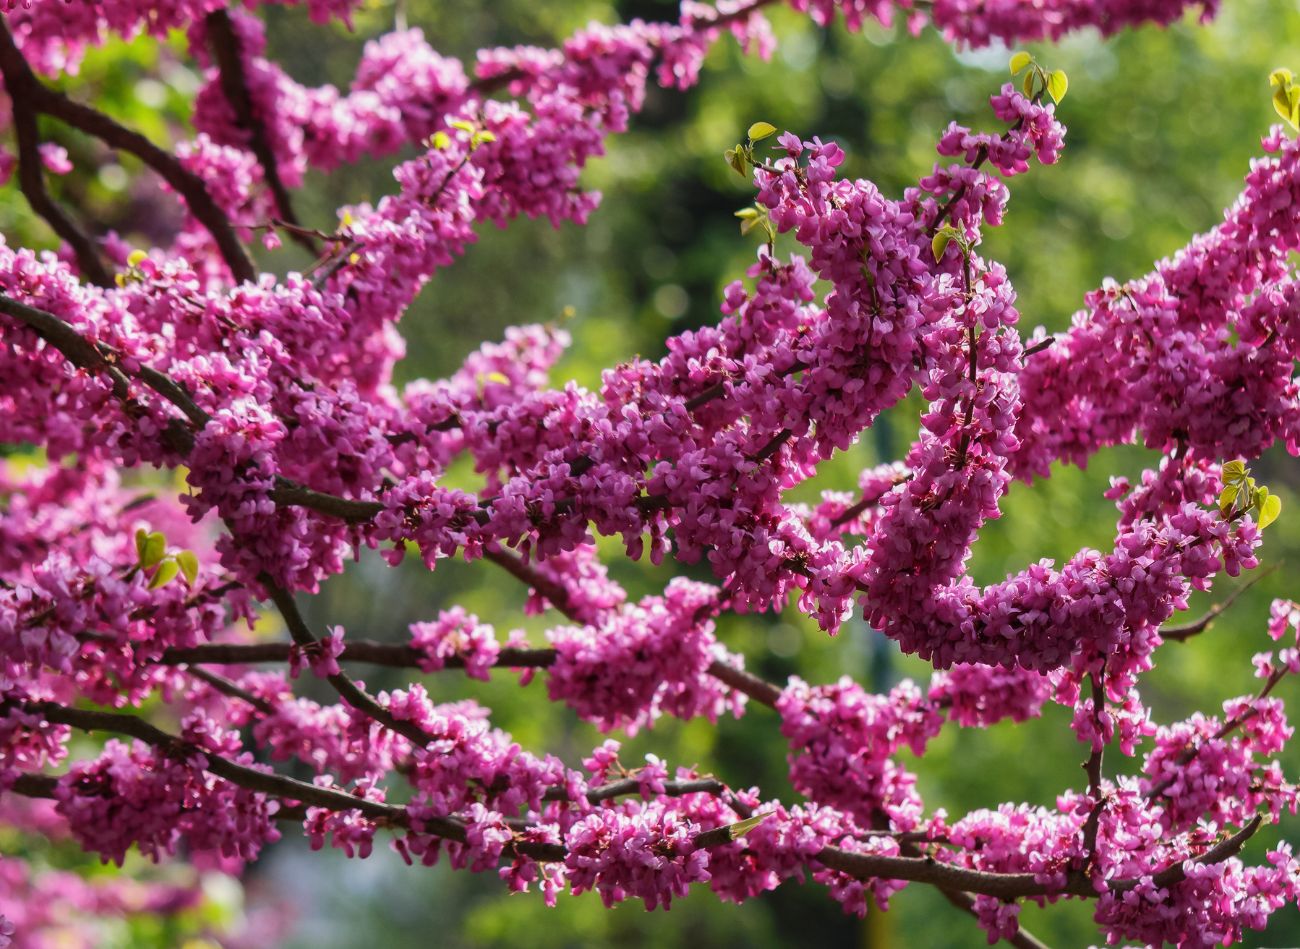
<point>760,690</point>
<point>390,655</point>
<point>853,511</point>
<point>1224,850</point>
<point>347,509</point>
<point>234,85</point>
<point>1014,885</point>
<point>63,337</point>
<point>98,358</point>
<point>226,687</point>
<point>1023,939</point>
<point>1038,347</point>
<point>859,865</point>
<point>348,691</point>
<point>1185,632</point>
<point>773,445</point>
<point>19,80</point>
<point>1093,769</point>
<point>406,657</point>
<point>1227,728</point>
<point>981,157</point>
<point>41,98</point>
<point>607,792</point>
<point>266,782</point>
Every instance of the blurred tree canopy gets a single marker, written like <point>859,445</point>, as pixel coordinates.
<point>1162,127</point>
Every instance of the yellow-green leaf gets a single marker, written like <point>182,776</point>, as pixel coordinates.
<point>1233,472</point>
<point>136,258</point>
<point>940,244</point>
<point>462,125</point>
<point>1283,106</point>
<point>742,827</point>
<point>440,140</point>
<point>1019,61</point>
<point>167,571</point>
<point>1227,499</point>
<point>1028,86</point>
<point>736,159</point>
<point>747,214</point>
<point>1269,509</point>
<point>189,564</point>
<point>761,130</point>
<point>1280,77</point>
<point>1057,84</point>
<point>141,535</point>
<point>155,545</point>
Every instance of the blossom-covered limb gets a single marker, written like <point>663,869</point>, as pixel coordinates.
<point>19,83</point>
<point>230,62</point>
<point>41,98</point>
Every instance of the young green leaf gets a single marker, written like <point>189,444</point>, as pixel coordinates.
<point>761,130</point>
<point>742,827</point>
<point>1057,84</point>
<point>1269,508</point>
<point>942,238</point>
<point>189,564</point>
<point>167,571</point>
<point>736,159</point>
<point>1019,61</point>
<point>155,545</point>
<point>141,535</point>
<point>1227,499</point>
<point>940,245</point>
<point>1234,472</point>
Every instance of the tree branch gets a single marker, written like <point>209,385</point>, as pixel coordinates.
<point>1023,939</point>
<point>234,85</point>
<point>391,655</point>
<point>1093,769</point>
<point>19,80</point>
<point>349,691</point>
<point>42,99</point>
<point>1181,634</point>
<point>859,865</point>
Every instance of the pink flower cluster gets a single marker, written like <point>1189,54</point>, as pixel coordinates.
<point>137,796</point>
<point>645,660</point>
<point>843,740</point>
<point>276,397</point>
<point>459,634</point>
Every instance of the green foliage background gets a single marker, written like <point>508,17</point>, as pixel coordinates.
<point>1162,126</point>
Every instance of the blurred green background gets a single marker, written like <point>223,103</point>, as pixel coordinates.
<point>1162,127</point>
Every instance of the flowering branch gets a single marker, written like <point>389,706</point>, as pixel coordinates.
<point>20,84</point>
<point>39,98</point>
<point>230,62</point>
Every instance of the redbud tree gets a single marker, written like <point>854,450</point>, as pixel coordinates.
<point>139,712</point>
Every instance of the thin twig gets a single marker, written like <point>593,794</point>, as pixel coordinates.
<point>348,691</point>
<point>234,85</point>
<point>1181,634</point>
